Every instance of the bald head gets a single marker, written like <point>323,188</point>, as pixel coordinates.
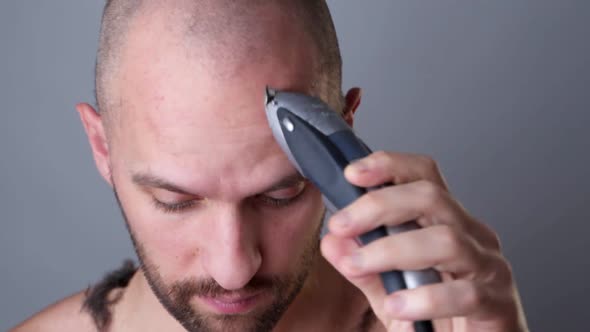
<point>228,33</point>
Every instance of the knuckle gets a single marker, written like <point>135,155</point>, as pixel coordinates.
<point>496,271</point>
<point>428,163</point>
<point>495,242</point>
<point>431,193</point>
<point>473,296</point>
<point>504,271</point>
<point>381,155</point>
<point>451,240</point>
<point>489,238</point>
<point>381,159</point>
<point>494,239</point>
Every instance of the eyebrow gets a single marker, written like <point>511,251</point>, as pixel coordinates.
<point>150,180</point>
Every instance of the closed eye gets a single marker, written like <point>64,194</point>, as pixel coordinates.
<point>174,207</point>
<point>285,196</point>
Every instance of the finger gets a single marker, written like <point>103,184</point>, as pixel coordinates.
<point>423,201</point>
<point>399,168</point>
<point>440,247</point>
<point>381,167</point>
<point>334,249</point>
<point>444,300</point>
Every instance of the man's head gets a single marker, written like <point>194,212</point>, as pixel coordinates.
<point>225,31</point>
<point>225,229</point>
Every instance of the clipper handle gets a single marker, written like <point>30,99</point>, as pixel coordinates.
<point>330,155</point>
<point>354,148</point>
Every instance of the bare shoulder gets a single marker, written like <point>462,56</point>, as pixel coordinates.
<point>64,315</point>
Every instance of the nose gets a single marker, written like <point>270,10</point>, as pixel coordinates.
<point>233,253</point>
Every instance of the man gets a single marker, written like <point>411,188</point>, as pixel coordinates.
<point>226,231</point>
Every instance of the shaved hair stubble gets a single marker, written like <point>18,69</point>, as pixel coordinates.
<point>228,29</point>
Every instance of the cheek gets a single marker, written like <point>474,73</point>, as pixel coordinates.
<point>174,249</point>
<point>169,244</point>
<point>285,240</point>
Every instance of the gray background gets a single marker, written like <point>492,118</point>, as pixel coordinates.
<point>496,91</point>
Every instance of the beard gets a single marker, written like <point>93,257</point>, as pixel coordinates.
<point>176,296</point>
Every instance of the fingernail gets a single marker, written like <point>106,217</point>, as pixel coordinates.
<point>341,219</point>
<point>395,303</point>
<point>359,166</point>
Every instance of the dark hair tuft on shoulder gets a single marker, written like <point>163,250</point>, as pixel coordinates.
<point>97,300</point>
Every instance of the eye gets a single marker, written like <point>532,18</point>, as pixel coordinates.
<point>283,197</point>
<point>173,207</point>
<point>170,202</point>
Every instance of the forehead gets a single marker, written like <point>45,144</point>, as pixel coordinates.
<point>187,107</point>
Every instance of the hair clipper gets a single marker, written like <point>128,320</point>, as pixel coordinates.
<point>320,144</point>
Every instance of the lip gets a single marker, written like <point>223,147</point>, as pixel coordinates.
<point>233,304</point>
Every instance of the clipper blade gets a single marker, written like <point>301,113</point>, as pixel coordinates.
<point>270,95</point>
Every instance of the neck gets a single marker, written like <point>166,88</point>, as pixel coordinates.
<point>326,302</point>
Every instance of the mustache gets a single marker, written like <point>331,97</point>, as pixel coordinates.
<point>184,290</point>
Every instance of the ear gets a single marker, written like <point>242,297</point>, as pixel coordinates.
<point>352,102</point>
<point>94,127</point>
